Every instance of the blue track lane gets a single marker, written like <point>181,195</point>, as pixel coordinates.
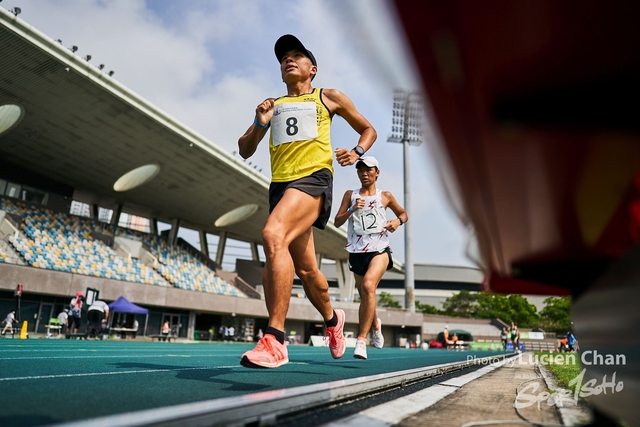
<point>52,381</point>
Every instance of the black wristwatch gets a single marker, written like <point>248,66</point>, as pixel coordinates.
<point>359,150</point>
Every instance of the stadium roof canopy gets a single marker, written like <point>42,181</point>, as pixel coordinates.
<point>81,128</point>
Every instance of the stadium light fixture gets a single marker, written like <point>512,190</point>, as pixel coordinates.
<point>10,116</point>
<point>16,11</point>
<point>101,66</point>
<point>236,215</point>
<point>87,58</point>
<point>111,73</point>
<point>406,128</point>
<point>74,48</point>
<point>58,40</point>
<point>136,177</point>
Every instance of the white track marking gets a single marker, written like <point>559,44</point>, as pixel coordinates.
<point>94,374</point>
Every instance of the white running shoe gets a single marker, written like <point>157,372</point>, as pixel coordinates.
<point>361,350</point>
<point>378,338</point>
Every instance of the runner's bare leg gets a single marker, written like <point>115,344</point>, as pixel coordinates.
<point>367,286</point>
<point>292,217</point>
<point>315,283</point>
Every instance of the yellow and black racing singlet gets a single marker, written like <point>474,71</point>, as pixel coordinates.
<point>300,140</point>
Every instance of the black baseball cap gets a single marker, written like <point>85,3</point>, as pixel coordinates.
<point>289,42</point>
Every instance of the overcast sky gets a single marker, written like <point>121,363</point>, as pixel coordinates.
<point>208,63</point>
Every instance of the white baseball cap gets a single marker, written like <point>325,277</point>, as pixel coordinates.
<point>368,161</point>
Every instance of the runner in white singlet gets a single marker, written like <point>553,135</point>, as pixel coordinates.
<point>368,244</point>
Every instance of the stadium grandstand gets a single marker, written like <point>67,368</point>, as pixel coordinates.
<point>89,174</point>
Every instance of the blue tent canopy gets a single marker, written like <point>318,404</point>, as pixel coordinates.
<point>123,305</point>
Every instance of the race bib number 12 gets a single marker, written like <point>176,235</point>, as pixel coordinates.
<point>368,221</point>
<point>294,121</point>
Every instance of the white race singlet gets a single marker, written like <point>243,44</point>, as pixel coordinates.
<point>366,231</point>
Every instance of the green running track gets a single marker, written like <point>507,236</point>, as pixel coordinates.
<point>54,381</point>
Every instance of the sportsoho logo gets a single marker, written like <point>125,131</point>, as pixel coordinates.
<point>526,397</point>
<point>529,394</point>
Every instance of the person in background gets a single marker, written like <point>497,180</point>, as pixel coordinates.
<point>515,337</point>
<point>165,330</point>
<point>572,343</point>
<point>75,313</point>
<point>446,338</point>
<point>63,318</point>
<point>563,345</point>
<point>11,317</point>
<point>365,210</point>
<point>503,338</point>
<point>97,312</point>
<point>135,328</point>
<point>454,340</point>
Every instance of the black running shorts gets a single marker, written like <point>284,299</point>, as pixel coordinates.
<point>319,183</point>
<point>359,261</point>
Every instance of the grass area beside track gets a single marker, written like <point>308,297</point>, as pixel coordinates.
<point>565,367</point>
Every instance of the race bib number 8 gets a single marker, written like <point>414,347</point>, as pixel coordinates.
<point>294,121</point>
<point>368,221</point>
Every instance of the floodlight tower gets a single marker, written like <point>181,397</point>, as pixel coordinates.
<point>406,128</point>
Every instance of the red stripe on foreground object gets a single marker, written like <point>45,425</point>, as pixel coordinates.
<point>509,285</point>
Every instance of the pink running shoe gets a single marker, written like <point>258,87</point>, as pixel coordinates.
<point>269,353</point>
<point>337,343</point>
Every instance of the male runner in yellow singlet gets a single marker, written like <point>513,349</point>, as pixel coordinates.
<point>300,193</point>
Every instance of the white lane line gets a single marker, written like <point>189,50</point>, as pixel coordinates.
<point>95,374</point>
<point>128,356</point>
<point>110,350</point>
<point>124,356</point>
<point>393,412</point>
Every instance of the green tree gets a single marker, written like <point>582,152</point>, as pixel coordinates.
<point>512,308</point>
<point>556,314</point>
<point>491,306</point>
<point>462,304</point>
<point>385,299</point>
<point>525,314</point>
<point>427,308</point>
